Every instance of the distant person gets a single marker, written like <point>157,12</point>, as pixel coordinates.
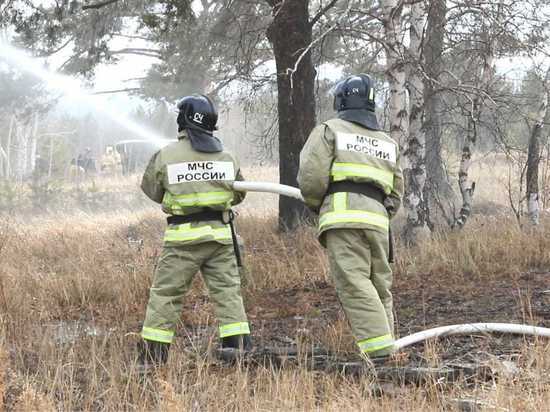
<point>111,162</point>
<point>86,161</point>
<point>192,179</point>
<point>75,172</point>
<point>122,150</point>
<point>41,166</point>
<point>40,172</point>
<point>350,174</point>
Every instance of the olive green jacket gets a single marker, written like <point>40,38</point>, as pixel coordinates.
<point>185,181</point>
<point>338,150</point>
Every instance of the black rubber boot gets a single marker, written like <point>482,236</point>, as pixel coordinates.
<point>242,342</point>
<point>152,355</point>
<point>380,361</point>
<point>235,348</point>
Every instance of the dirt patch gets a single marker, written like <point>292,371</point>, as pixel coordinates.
<point>282,314</point>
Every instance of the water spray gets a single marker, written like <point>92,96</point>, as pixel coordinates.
<point>71,87</point>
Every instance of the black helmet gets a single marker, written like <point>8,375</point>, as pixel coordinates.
<point>197,110</point>
<point>354,92</point>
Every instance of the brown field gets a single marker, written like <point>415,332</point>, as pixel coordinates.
<point>74,285</point>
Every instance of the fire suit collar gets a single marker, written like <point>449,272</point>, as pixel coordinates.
<point>201,141</point>
<point>365,118</point>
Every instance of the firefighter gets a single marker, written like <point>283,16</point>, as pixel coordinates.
<point>350,174</point>
<point>192,180</point>
<point>86,161</point>
<point>111,162</point>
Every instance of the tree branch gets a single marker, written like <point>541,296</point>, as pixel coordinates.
<point>129,89</point>
<point>291,71</point>
<point>61,47</point>
<point>322,12</point>
<point>98,5</point>
<point>128,36</point>
<point>140,52</point>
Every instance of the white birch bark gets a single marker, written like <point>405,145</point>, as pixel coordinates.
<point>19,146</point>
<point>3,160</point>
<point>533,157</point>
<point>466,187</point>
<point>9,148</point>
<point>50,158</point>
<point>395,69</point>
<point>33,138</point>
<point>415,150</point>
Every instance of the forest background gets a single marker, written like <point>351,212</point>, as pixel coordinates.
<point>455,80</point>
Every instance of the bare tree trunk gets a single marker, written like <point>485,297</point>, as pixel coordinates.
<point>415,151</point>
<point>3,158</point>
<point>50,158</point>
<point>395,69</point>
<point>9,148</point>
<point>438,193</point>
<point>467,188</point>
<point>32,146</point>
<point>19,159</point>
<point>533,157</point>
<point>290,33</point>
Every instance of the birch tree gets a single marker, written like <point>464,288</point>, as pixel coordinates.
<point>438,193</point>
<point>391,18</point>
<point>23,99</point>
<point>534,152</point>
<point>475,107</point>
<point>415,149</point>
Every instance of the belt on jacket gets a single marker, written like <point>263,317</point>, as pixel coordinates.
<point>226,217</point>
<point>368,190</point>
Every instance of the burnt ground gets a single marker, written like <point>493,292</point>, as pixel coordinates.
<point>288,318</point>
<point>284,318</point>
<point>278,316</point>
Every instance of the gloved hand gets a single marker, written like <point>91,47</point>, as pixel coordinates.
<point>390,207</point>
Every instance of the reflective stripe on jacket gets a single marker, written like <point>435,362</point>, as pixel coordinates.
<point>339,150</point>
<point>185,181</point>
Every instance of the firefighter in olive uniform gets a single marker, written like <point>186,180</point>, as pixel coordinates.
<point>192,179</point>
<point>350,174</point>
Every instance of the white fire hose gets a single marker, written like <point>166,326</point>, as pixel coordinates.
<point>265,187</point>
<point>463,329</point>
<point>472,328</point>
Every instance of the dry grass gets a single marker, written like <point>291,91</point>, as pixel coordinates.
<point>83,268</point>
<point>31,400</point>
<point>73,290</point>
<point>486,248</point>
<point>4,364</point>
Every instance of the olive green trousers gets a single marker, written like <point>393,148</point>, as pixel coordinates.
<point>362,275</point>
<point>175,271</point>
